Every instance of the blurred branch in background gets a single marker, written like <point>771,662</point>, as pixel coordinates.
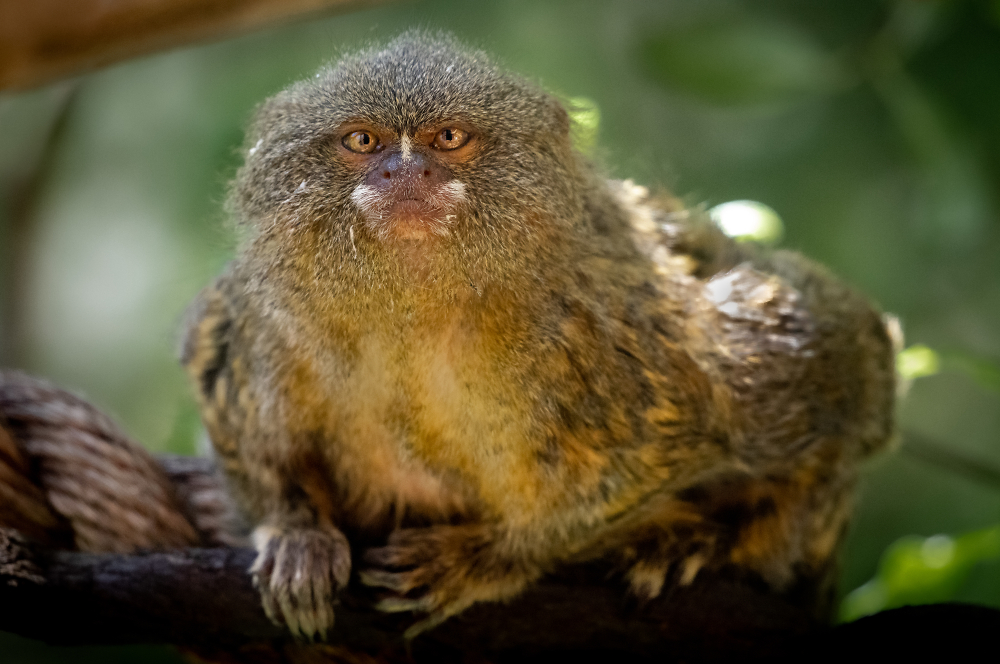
<point>947,458</point>
<point>43,40</point>
<point>24,169</point>
<point>956,200</point>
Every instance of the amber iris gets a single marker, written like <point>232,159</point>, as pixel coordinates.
<point>450,138</point>
<point>360,141</point>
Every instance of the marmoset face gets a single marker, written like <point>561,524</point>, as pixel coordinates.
<point>409,190</point>
<point>420,141</point>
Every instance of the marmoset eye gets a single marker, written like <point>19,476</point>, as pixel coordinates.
<point>450,138</point>
<point>360,141</point>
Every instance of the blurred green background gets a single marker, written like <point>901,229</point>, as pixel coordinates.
<point>871,127</point>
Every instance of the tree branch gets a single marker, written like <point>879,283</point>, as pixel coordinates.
<point>203,599</point>
<point>42,40</point>
<point>70,478</point>
<point>947,457</point>
<point>77,481</point>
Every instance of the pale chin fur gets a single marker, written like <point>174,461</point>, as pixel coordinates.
<point>374,205</point>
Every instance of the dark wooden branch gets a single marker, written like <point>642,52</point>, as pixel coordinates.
<point>185,597</point>
<point>43,40</point>
<point>61,455</point>
<point>203,599</point>
<point>70,478</point>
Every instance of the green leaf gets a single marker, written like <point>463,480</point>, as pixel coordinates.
<point>586,117</point>
<point>748,221</point>
<point>917,570</point>
<point>741,63</point>
<point>917,361</point>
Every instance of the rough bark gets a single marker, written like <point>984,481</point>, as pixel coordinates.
<point>203,599</point>
<point>94,549</point>
<point>43,40</point>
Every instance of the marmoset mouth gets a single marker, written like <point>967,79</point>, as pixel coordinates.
<point>415,218</point>
<point>413,206</point>
<point>407,211</point>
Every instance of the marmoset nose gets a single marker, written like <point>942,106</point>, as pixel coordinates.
<point>415,172</point>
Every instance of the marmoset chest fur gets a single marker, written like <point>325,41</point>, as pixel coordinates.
<point>452,350</point>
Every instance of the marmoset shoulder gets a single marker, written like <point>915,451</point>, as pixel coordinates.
<point>451,355</point>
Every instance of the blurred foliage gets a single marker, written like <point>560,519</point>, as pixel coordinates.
<point>871,129</point>
<point>748,221</point>
<point>984,371</point>
<point>924,570</point>
<point>917,361</point>
<point>585,115</point>
<point>918,570</point>
<point>741,60</point>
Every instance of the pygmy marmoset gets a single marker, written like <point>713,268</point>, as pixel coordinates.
<point>452,355</point>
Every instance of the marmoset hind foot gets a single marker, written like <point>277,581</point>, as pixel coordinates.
<point>441,570</point>
<point>450,338</point>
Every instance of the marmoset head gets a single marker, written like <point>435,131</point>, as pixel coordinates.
<point>420,141</point>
